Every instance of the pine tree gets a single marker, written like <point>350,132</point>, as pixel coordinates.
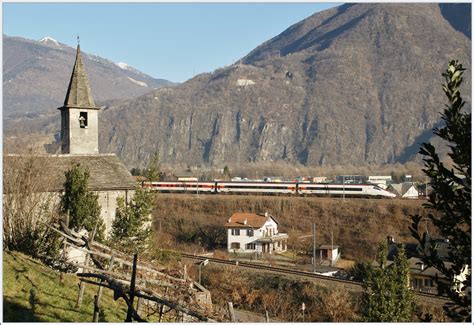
<point>449,203</point>
<point>82,205</point>
<point>226,173</point>
<point>387,296</point>
<point>131,228</point>
<point>152,172</point>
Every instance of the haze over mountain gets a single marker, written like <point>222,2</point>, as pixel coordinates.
<point>359,83</point>
<point>36,75</point>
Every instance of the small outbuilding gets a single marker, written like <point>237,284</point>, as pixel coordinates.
<point>328,253</point>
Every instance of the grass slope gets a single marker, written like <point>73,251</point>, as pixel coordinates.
<point>358,225</point>
<point>32,292</point>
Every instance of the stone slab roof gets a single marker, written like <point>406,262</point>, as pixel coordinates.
<point>106,171</point>
<point>79,94</point>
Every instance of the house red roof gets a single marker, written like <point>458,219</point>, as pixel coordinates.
<point>247,220</point>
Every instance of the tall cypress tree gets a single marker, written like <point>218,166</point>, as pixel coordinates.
<point>387,296</point>
<point>152,172</point>
<point>449,203</point>
<point>131,227</point>
<point>81,204</point>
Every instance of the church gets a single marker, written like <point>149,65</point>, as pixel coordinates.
<point>109,178</point>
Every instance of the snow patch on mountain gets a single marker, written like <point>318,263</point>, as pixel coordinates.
<point>49,40</point>
<point>124,66</point>
<point>140,83</point>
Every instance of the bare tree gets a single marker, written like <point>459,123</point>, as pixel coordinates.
<point>26,203</point>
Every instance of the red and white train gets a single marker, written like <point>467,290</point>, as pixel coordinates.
<point>269,188</point>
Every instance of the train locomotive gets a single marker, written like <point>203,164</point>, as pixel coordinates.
<point>271,188</point>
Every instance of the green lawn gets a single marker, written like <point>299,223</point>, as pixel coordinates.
<point>32,292</point>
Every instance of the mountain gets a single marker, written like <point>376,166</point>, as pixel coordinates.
<point>36,75</point>
<point>356,84</point>
<point>359,83</point>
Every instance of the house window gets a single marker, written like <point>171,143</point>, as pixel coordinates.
<point>428,283</point>
<point>418,283</point>
<point>83,120</point>
<point>235,232</point>
<point>250,246</point>
<point>235,245</point>
<point>250,232</point>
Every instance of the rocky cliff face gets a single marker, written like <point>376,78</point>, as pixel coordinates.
<point>355,84</point>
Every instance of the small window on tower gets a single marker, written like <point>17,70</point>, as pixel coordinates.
<point>83,120</point>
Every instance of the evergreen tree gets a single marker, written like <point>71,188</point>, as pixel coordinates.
<point>226,172</point>
<point>131,228</point>
<point>82,205</point>
<point>449,203</point>
<point>152,172</point>
<point>387,296</point>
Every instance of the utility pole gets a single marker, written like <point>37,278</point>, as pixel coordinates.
<point>343,187</point>
<point>332,247</point>
<point>314,248</point>
<point>303,307</point>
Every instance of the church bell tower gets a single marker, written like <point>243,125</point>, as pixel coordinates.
<point>79,115</point>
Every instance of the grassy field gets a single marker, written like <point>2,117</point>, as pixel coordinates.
<point>33,292</point>
<point>357,225</point>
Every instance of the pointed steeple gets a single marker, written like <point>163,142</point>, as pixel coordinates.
<point>79,93</point>
<point>79,115</point>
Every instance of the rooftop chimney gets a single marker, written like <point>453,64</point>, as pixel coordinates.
<point>245,221</point>
<point>266,214</point>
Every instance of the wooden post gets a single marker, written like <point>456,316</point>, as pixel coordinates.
<point>267,318</point>
<point>95,317</point>
<point>230,305</point>
<point>82,285</point>
<point>132,287</point>
<point>139,302</point>
<point>185,272</point>
<point>61,275</point>
<point>99,294</point>
<point>162,307</point>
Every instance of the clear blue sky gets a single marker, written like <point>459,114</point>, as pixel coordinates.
<point>173,41</point>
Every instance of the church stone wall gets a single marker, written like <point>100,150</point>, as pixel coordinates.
<point>108,204</point>
<point>107,201</point>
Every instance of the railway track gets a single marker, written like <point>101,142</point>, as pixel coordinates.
<point>427,297</point>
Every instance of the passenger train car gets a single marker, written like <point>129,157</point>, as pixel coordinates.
<point>271,188</point>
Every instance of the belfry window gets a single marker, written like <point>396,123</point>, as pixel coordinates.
<point>83,120</point>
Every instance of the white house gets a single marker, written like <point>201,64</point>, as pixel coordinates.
<point>405,190</point>
<point>250,233</point>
